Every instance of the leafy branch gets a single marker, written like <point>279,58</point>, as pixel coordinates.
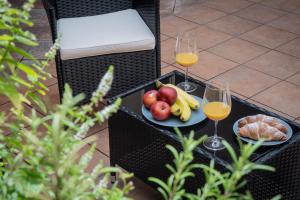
<point>40,159</point>
<point>173,188</point>
<point>219,186</point>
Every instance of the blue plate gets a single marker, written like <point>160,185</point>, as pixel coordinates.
<point>196,117</point>
<point>266,143</point>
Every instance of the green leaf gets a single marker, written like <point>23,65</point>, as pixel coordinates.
<point>36,99</point>
<point>177,131</point>
<point>9,90</point>
<point>41,85</point>
<point>163,193</point>
<point>187,174</point>
<point>26,41</point>
<point>4,43</point>
<point>263,167</point>
<point>277,197</point>
<point>41,92</point>
<point>9,60</point>
<point>107,170</point>
<point>231,151</point>
<point>193,166</point>
<point>159,182</point>
<point>171,180</point>
<point>6,37</point>
<point>173,151</point>
<point>21,81</point>
<point>168,166</point>
<point>28,70</point>
<point>21,52</point>
<point>241,185</point>
<point>255,147</point>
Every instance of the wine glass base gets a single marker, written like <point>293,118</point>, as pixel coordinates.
<point>187,86</point>
<point>214,143</point>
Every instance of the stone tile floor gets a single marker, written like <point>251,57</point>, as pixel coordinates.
<point>252,44</point>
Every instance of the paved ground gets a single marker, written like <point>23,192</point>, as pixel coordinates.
<point>252,44</point>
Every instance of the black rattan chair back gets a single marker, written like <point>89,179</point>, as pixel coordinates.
<point>131,69</point>
<point>80,8</point>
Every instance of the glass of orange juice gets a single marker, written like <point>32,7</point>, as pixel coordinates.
<point>216,106</point>
<point>186,54</point>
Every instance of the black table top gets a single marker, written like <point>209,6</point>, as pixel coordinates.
<point>132,104</point>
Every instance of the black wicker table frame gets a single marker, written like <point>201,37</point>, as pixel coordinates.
<point>138,146</point>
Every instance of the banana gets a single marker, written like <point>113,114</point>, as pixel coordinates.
<point>185,108</point>
<point>192,102</point>
<point>175,109</point>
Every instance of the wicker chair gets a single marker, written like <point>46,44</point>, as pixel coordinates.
<point>131,68</point>
<point>285,180</point>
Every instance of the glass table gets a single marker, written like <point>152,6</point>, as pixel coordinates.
<point>138,146</point>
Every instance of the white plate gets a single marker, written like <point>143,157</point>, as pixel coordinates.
<point>266,143</point>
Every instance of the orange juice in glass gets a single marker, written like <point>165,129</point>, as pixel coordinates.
<point>216,106</point>
<point>186,55</point>
<point>186,59</point>
<point>216,110</point>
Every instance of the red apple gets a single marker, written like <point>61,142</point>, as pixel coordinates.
<point>150,98</point>
<point>167,94</point>
<point>160,110</point>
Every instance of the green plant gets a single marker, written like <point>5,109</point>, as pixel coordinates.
<point>13,36</point>
<point>218,186</point>
<point>40,157</point>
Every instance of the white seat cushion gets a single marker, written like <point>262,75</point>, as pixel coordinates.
<point>122,31</point>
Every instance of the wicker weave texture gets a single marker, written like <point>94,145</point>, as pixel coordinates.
<point>81,8</point>
<point>131,69</point>
<point>147,12</point>
<point>285,180</point>
<point>142,149</point>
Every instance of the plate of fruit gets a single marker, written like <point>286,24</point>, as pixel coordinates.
<point>172,107</point>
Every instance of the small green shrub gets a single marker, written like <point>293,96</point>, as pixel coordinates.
<point>40,157</point>
<point>218,186</point>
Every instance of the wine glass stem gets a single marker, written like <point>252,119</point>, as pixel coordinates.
<point>216,129</point>
<point>186,75</point>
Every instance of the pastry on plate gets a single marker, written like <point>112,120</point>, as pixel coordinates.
<point>261,130</point>
<point>271,121</point>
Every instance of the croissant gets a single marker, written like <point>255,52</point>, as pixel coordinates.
<point>261,130</point>
<point>263,118</point>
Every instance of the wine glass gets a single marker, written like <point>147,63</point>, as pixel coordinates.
<point>186,55</point>
<point>216,106</point>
